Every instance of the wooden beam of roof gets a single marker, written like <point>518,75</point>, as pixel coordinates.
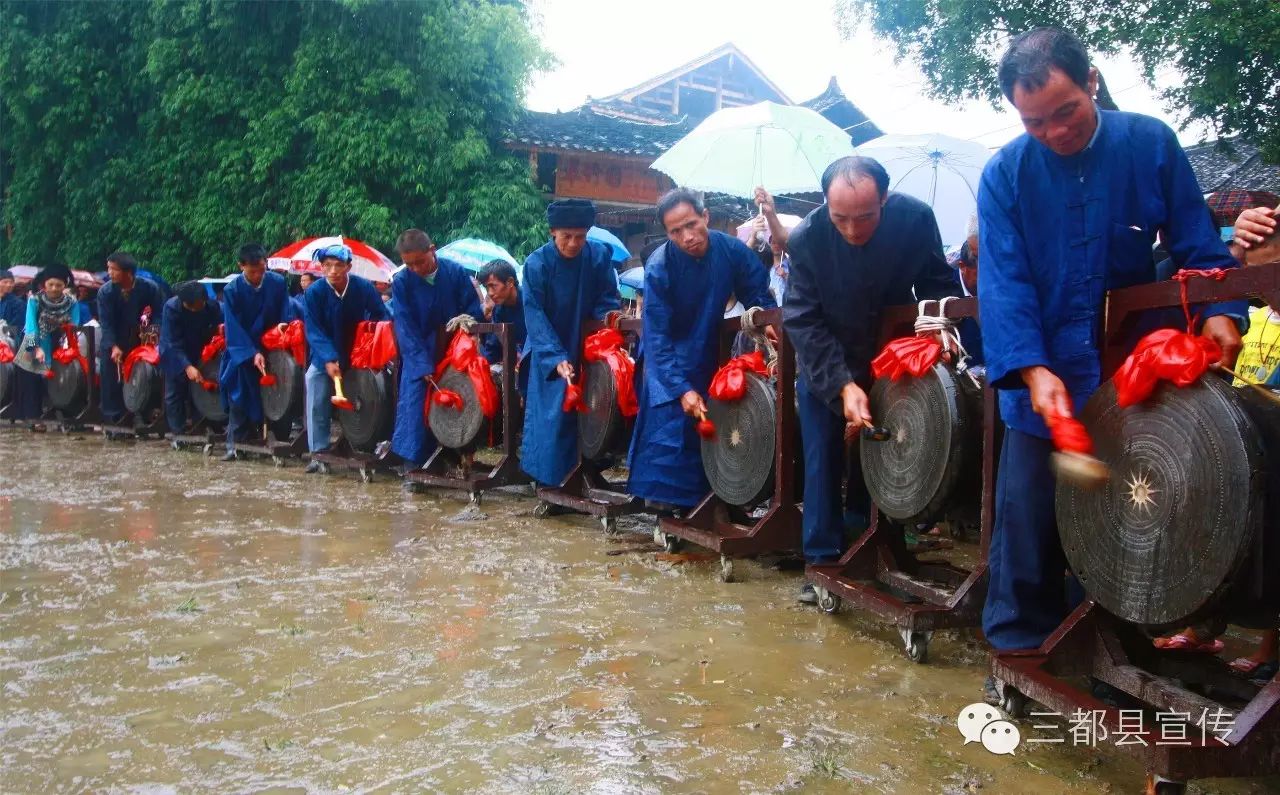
<point>727,49</point>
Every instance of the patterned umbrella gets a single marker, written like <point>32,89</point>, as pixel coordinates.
<point>366,261</point>
<point>473,254</point>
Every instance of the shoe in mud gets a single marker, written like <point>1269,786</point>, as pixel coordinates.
<point>808,596</point>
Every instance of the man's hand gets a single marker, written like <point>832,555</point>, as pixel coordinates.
<point>38,354</point>
<point>857,409</point>
<point>1254,226</point>
<point>1222,330</point>
<point>692,404</point>
<point>765,201</point>
<point>282,327</point>
<point>333,369</point>
<point>116,354</point>
<point>260,362</point>
<point>565,370</point>
<point>1049,396</point>
<point>192,373</point>
<point>771,334</point>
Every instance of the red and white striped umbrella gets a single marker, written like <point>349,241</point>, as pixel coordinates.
<point>366,261</point>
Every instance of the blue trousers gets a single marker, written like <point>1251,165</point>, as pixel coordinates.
<point>110,391</point>
<point>319,388</point>
<point>1029,593</point>
<point>412,440</point>
<point>825,465</point>
<point>28,395</point>
<point>177,401</point>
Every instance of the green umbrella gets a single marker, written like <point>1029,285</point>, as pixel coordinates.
<point>785,148</point>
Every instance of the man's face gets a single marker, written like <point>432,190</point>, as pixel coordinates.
<point>569,242</point>
<point>969,268</point>
<point>306,280</point>
<point>687,228</point>
<point>855,209</point>
<point>335,272</point>
<point>253,272</point>
<point>500,292</point>
<point>1059,114</point>
<point>422,263</point>
<point>119,275</point>
<point>6,287</point>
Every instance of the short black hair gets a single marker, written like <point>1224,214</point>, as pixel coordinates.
<point>1032,54</point>
<point>124,260</point>
<point>504,270</point>
<point>413,240</point>
<point>191,292</point>
<point>251,252</point>
<point>853,167</point>
<point>676,197</point>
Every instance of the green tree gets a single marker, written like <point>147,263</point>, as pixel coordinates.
<point>1227,52</point>
<point>177,129</point>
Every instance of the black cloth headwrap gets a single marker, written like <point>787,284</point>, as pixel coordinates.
<point>53,272</point>
<point>571,214</point>
<point>191,292</point>
<point>6,275</point>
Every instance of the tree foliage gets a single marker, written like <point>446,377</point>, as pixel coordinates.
<point>177,129</point>
<point>1226,52</point>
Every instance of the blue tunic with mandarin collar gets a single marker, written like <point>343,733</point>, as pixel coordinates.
<point>248,313</point>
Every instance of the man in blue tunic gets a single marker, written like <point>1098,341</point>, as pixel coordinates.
<point>428,293</point>
<point>687,282</point>
<point>332,308</point>
<point>188,322</point>
<point>498,278</point>
<point>122,303</point>
<point>254,302</point>
<point>567,282</point>
<point>1066,212</point>
<point>862,251</point>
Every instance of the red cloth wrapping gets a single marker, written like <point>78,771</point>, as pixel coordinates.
<point>906,356</point>
<point>71,352</point>
<point>374,346</point>
<point>605,346</point>
<point>6,353</point>
<point>706,429</point>
<point>1069,434</point>
<point>208,386</point>
<point>143,353</point>
<point>294,340</point>
<point>1186,275</point>
<point>448,398</point>
<point>216,345</point>
<point>267,379</point>
<point>730,381</point>
<point>1165,355</point>
<point>464,356</point>
<point>573,399</point>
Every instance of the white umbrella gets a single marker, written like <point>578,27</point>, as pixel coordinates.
<point>939,170</point>
<point>785,148</point>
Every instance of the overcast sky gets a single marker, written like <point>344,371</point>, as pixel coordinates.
<point>605,46</point>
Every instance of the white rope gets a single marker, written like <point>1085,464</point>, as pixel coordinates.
<point>464,322</point>
<point>748,323</point>
<point>945,329</point>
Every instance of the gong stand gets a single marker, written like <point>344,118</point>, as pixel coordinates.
<point>266,444</point>
<point>204,434</point>
<point>450,469</point>
<point>727,529</point>
<point>342,455</point>
<point>1093,643</point>
<point>90,414</point>
<point>585,489</point>
<point>877,574</point>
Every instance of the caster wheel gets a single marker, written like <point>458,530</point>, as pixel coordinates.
<point>278,461</point>
<point>208,449</point>
<point>174,444</point>
<point>659,537</point>
<point>609,524</point>
<point>1014,705</point>
<point>670,543</point>
<point>1157,785</point>
<point>828,602</point>
<point>474,501</point>
<point>366,475</point>
<point>726,568</point>
<point>542,510</point>
<point>917,645</point>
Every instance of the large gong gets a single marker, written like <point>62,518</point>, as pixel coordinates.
<point>738,460</point>
<point>1163,540</point>
<point>458,428</point>
<point>934,423</point>
<point>69,386</point>
<point>370,422</point>
<point>600,424</point>
<point>209,404</point>
<point>143,389</point>
<point>283,399</point>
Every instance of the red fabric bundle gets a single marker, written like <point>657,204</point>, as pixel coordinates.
<point>1069,434</point>
<point>706,429</point>
<point>573,399</point>
<point>267,379</point>
<point>143,353</point>
<point>730,381</point>
<point>605,346</point>
<point>1164,355</point>
<point>374,346</point>
<point>216,345</point>
<point>448,399</point>
<point>208,386</point>
<point>71,352</point>
<point>6,353</point>
<point>294,340</point>
<point>906,355</point>
<point>464,356</point>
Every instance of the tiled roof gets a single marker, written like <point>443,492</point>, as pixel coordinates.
<point>837,109</point>
<point>1232,163</point>
<point>588,131</point>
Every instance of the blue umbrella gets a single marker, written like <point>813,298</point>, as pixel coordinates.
<point>473,254</point>
<point>620,253</point>
<point>631,283</point>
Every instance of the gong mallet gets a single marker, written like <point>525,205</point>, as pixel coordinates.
<point>339,399</point>
<point>1073,460</point>
<point>1267,393</point>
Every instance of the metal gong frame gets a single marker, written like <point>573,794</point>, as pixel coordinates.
<point>1092,642</point>
<point>293,445</point>
<point>207,432</point>
<point>942,595</point>
<point>450,469</point>
<point>344,455</point>
<point>727,529</point>
<point>585,489</point>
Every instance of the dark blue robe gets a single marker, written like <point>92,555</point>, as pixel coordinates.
<point>183,334</point>
<point>514,316</point>
<point>248,314</point>
<point>559,296</point>
<point>684,300</point>
<point>13,310</point>
<point>119,316</point>
<point>331,321</point>
<point>421,310</point>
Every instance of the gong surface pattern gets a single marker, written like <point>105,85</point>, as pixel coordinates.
<point>143,389</point>
<point>283,399</point>
<point>601,423</point>
<point>69,388</point>
<point>209,404</point>
<point>738,460</point>
<point>1164,538</point>
<point>454,428</point>
<point>370,422</point>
